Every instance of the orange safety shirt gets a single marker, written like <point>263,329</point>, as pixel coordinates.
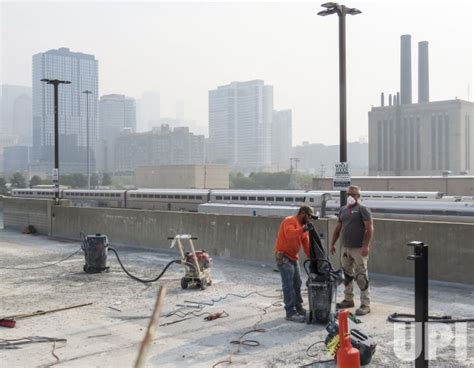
<point>290,238</point>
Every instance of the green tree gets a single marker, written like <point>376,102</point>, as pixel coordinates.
<point>260,180</point>
<point>35,180</point>
<point>3,187</point>
<point>106,179</point>
<point>74,180</point>
<point>18,180</point>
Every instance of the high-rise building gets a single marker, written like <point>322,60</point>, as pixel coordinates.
<point>281,139</point>
<point>116,114</point>
<point>161,146</point>
<point>240,117</point>
<point>15,116</point>
<point>82,71</point>
<point>16,159</point>
<point>148,111</point>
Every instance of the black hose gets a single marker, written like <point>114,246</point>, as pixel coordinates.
<point>410,318</point>
<point>156,278</point>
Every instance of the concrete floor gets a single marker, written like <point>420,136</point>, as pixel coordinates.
<point>108,333</point>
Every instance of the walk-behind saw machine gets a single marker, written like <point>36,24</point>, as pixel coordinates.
<point>197,264</point>
<point>322,284</point>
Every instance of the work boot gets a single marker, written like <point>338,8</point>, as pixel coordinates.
<point>295,318</point>
<point>362,310</point>
<point>345,304</point>
<point>300,310</point>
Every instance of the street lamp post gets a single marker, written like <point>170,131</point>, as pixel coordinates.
<point>56,83</point>
<point>87,93</point>
<point>341,11</point>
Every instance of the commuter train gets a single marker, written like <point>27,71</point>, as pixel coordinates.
<point>391,204</point>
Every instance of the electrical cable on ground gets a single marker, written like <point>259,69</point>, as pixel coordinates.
<point>44,266</point>
<point>315,355</point>
<point>410,318</point>
<point>247,342</point>
<point>145,281</point>
<point>178,312</point>
<point>14,343</point>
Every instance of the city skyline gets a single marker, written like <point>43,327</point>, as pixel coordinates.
<point>267,48</point>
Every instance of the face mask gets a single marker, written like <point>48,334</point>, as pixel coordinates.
<point>351,201</point>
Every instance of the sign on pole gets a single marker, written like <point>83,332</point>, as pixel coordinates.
<point>342,176</point>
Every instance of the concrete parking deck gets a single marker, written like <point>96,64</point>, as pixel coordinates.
<point>108,333</point>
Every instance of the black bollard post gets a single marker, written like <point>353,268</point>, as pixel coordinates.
<point>421,299</point>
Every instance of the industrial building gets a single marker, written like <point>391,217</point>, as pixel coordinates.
<point>423,138</point>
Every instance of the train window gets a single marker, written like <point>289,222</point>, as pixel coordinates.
<point>184,197</point>
<point>243,198</point>
<point>299,199</point>
<point>260,198</point>
<point>271,199</point>
<point>235,198</point>
<point>170,196</point>
<point>279,199</point>
<point>139,195</point>
<point>132,195</point>
<point>218,198</point>
<point>311,199</point>
<point>156,196</point>
<point>192,197</point>
<point>226,198</point>
<point>177,196</point>
<point>199,197</point>
<point>252,198</point>
<point>288,199</point>
<point>162,195</point>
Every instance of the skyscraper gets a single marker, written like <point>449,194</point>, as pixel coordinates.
<point>240,117</point>
<point>82,71</point>
<point>281,138</point>
<point>15,116</point>
<point>148,111</point>
<point>116,113</point>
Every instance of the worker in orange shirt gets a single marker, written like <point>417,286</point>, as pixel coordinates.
<point>292,234</point>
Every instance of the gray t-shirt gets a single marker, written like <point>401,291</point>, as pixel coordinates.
<point>353,228</point>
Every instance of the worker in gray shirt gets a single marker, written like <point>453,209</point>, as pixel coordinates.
<point>355,223</point>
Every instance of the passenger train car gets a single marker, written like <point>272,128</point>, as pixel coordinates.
<point>167,199</point>
<point>432,210</point>
<point>409,205</point>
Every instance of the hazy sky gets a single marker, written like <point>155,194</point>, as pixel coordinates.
<point>184,49</point>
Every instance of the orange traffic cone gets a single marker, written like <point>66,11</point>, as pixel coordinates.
<point>347,356</point>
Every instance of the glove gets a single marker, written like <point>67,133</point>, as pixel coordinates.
<point>308,226</point>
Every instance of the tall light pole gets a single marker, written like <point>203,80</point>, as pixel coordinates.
<point>56,83</point>
<point>87,93</point>
<point>341,11</point>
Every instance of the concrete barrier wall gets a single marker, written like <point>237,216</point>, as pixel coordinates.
<point>19,213</point>
<point>244,237</point>
<point>451,248</point>
<point>451,252</point>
